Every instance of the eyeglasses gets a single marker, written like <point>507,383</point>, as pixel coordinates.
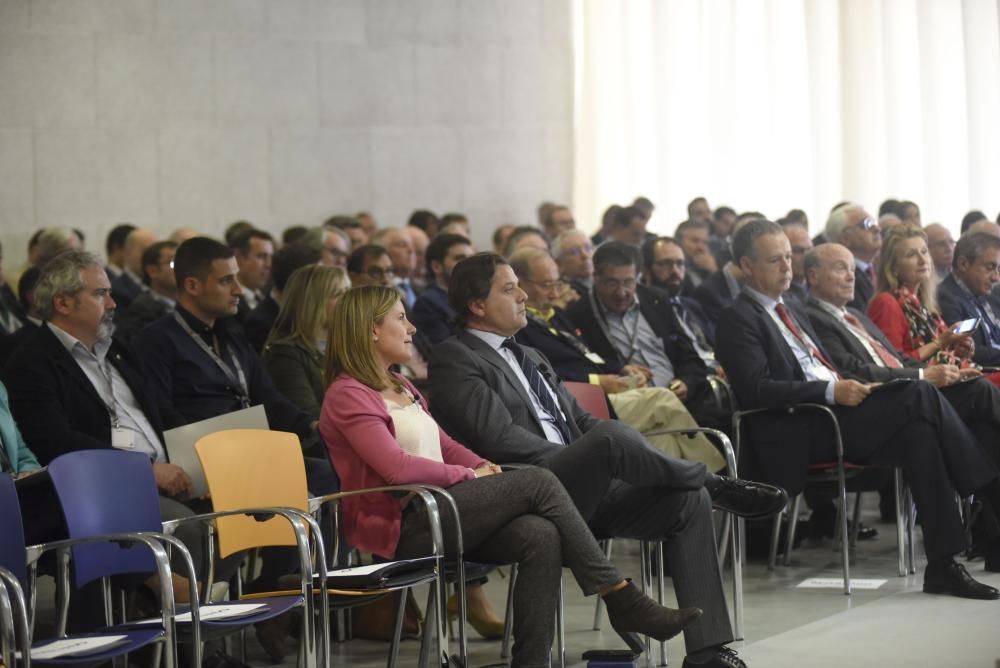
<point>579,250</point>
<point>614,284</point>
<point>548,285</point>
<point>868,224</point>
<point>334,251</point>
<point>379,274</point>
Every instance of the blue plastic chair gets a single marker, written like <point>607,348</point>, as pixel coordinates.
<point>14,581</point>
<point>111,491</point>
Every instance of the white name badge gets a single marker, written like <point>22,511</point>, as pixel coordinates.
<point>123,439</point>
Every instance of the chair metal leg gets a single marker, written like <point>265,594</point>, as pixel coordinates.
<point>901,538</point>
<point>660,594</point>
<point>397,629</point>
<point>911,528</point>
<point>599,604</point>
<point>856,519</point>
<point>426,638</point>
<point>739,556</point>
<point>727,521</point>
<point>844,538</point>
<point>646,575</point>
<point>772,553</point>
<point>793,523</point>
<point>508,618</point>
<point>560,629</point>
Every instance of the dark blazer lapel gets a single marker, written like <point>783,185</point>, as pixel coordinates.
<point>775,335</point>
<point>491,356</point>
<point>64,360</point>
<point>562,394</point>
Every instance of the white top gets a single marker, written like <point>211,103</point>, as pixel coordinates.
<point>416,431</point>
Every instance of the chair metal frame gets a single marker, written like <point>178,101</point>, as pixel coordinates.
<point>904,526</point>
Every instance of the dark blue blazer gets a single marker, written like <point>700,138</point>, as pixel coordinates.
<point>566,359</point>
<point>432,314</point>
<point>713,295</point>
<point>956,304</point>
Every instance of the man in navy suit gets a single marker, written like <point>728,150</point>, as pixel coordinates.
<point>774,359</point>
<point>432,315</point>
<point>967,293</point>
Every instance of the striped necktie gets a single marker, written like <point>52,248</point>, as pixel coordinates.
<point>539,388</point>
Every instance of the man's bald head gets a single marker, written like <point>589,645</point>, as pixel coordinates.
<point>829,270</point>
<point>136,243</point>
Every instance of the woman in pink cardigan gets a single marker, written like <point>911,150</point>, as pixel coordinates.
<point>378,432</point>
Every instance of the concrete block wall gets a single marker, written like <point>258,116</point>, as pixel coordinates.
<point>170,113</point>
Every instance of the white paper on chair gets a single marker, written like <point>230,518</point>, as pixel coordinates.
<point>838,583</point>
<point>75,646</point>
<point>228,611</point>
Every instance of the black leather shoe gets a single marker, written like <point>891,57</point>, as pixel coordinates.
<point>866,532</point>
<point>950,577</point>
<point>724,658</point>
<point>745,498</point>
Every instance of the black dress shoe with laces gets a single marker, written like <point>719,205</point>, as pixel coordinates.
<point>752,500</point>
<point>950,577</point>
<point>724,658</point>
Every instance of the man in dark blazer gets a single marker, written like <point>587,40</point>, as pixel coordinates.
<point>628,323</point>
<point>774,359</point>
<point>160,297</point>
<point>432,315</point>
<point>851,226</point>
<point>663,268</point>
<point>504,401</point>
<point>967,293</point>
<point>73,388</point>
<point>719,291</point>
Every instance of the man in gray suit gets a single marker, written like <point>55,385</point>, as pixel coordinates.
<point>504,400</point>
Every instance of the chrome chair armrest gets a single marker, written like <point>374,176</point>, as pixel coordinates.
<point>716,437</point>
<point>13,625</point>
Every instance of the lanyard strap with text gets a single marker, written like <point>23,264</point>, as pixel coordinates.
<point>237,378</point>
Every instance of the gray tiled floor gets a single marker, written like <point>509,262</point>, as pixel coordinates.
<point>788,626</point>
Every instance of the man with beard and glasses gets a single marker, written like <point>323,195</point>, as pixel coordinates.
<point>74,388</point>
<point>432,314</point>
<point>664,268</point>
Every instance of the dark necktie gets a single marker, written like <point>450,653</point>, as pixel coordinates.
<point>539,388</point>
<point>870,273</point>
<point>807,344</point>
<point>986,312</point>
<point>890,360</point>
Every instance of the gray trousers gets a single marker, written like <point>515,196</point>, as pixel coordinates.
<point>522,516</point>
<point>626,488</point>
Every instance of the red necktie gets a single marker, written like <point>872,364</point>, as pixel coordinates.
<point>890,360</point>
<point>806,343</point>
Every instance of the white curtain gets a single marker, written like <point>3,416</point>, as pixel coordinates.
<point>770,105</point>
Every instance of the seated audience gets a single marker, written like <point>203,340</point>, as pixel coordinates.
<point>718,291</point>
<point>454,223</point>
<point>558,219</point>
<point>31,322</point>
<point>905,306</point>
<point>664,268</point>
<point>628,323</point>
<point>607,220</point>
<point>72,387</point>
<point>235,229</point>
<point>350,227</point>
<point>129,284</point>
<point>798,237</point>
<point>552,333</point>
<point>942,248</point>
<point>968,293</point>
<point>419,242</point>
<point>851,226</point>
<point>693,238</point>
<point>259,321</point>
<point>400,248</point>
<point>11,315</point>
<point>504,400</point>
<point>160,296</point>
<point>909,212</point>
<point>525,235</point>
<point>182,234</point>
<point>50,241</point>
<point>432,314</point>
<point>970,219</point>
<point>574,254</point>
<point>293,353</point>
<point>115,248</point>
<point>378,432</point>
<point>628,225</point>
<point>426,221</point>
<point>500,237</point>
<point>368,223</point>
<point>720,227</point>
<point>774,358</point>
<point>254,250</point>
<point>293,234</point>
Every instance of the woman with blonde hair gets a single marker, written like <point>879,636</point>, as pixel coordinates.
<point>378,432</point>
<point>293,353</point>
<point>905,304</point>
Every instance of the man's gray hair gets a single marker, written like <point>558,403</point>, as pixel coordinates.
<point>971,245</point>
<point>811,261</point>
<point>315,237</point>
<point>61,276</point>
<point>837,222</point>
<point>523,258</point>
<point>744,238</point>
<point>556,247</point>
<point>52,241</point>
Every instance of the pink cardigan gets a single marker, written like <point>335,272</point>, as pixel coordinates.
<point>361,440</point>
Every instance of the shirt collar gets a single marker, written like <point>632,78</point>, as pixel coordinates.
<point>831,309</point>
<point>200,328</point>
<point>762,299</point>
<point>545,315</point>
<point>70,343</point>
<point>964,287</point>
<point>494,341</point>
<point>862,265</point>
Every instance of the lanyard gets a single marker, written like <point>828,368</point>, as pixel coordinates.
<point>602,320</point>
<point>236,377</point>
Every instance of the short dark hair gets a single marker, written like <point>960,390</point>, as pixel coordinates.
<point>437,249</point>
<point>195,256</point>
<point>643,202</point>
<point>648,248</point>
<point>970,219</point>
<point>356,260</point>
<point>723,211</point>
<point>519,233</point>
<point>289,258</point>
<point>970,246</point>
<point>696,200</point>
<point>116,237</point>
<point>26,286</point>
<point>744,238</point>
<point>293,234</point>
<point>241,242</point>
<point>888,206</point>
<point>236,229</point>
<point>688,225</point>
<point>452,217</point>
<point>423,219</point>
<point>624,215</point>
<point>343,222</point>
<point>615,254</point>
<point>471,280</point>
<point>152,256</point>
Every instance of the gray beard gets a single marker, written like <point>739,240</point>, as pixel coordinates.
<point>106,329</point>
